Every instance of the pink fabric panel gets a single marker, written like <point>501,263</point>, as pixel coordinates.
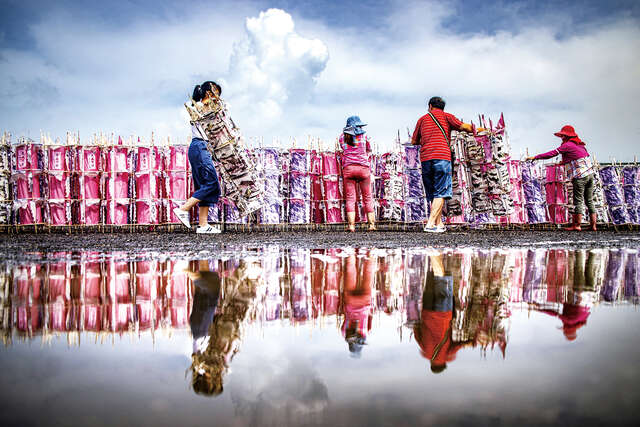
<point>316,187</point>
<point>22,158</point>
<point>179,316</point>
<point>92,317</point>
<point>145,187</point>
<point>118,160</point>
<point>317,212</point>
<point>28,187</point>
<point>145,315</point>
<point>144,159</point>
<point>91,213</point>
<point>57,159</point>
<point>23,287</point>
<point>330,164</point>
<point>22,188</point>
<point>58,213</point>
<point>146,212</point>
<point>91,159</point>
<point>118,186</point>
<point>334,212</point>
<point>58,317</point>
<point>117,213</point>
<point>31,214</point>
<point>178,285</point>
<point>332,189</point>
<point>177,160</point>
<point>91,187</point>
<point>177,188</point>
<point>58,187</point>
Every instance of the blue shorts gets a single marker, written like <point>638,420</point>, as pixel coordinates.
<point>438,293</point>
<point>205,178</point>
<point>436,178</point>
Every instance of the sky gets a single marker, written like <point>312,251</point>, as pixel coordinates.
<point>298,69</point>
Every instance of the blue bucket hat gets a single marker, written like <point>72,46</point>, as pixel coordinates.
<point>354,126</point>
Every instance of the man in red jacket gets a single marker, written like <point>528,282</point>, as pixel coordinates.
<point>433,133</point>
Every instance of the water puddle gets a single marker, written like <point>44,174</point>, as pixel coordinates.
<point>324,337</point>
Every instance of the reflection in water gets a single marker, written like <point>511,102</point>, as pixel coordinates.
<point>447,300</point>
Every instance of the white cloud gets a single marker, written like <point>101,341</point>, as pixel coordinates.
<point>272,69</point>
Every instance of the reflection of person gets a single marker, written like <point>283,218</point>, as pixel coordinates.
<point>205,178</point>
<point>577,308</point>
<point>433,332</point>
<point>210,360</point>
<point>356,171</point>
<point>358,280</point>
<point>580,171</point>
<point>205,301</point>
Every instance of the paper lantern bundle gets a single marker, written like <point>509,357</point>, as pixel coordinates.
<point>612,188</point>
<point>270,172</point>
<point>632,276</point>
<point>414,196</point>
<point>631,190</point>
<point>614,276</point>
<point>226,145</point>
<point>391,203</point>
<point>30,183</point>
<point>6,189</point>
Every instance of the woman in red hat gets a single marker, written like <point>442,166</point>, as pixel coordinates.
<point>581,172</point>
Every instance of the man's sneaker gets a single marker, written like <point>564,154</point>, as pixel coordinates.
<point>208,229</point>
<point>183,216</point>
<point>434,229</point>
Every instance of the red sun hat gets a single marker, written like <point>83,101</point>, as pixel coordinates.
<point>566,130</point>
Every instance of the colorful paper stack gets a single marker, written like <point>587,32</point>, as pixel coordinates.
<point>414,196</point>
<point>91,161</point>
<point>176,179</point>
<point>60,165</point>
<point>299,200</point>
<point>533,192</point>
<point>459,207</point>
<point>612,188</point>
<point>148,184</point>
<point>29,182</point>
<point>236,168</point>
<point>631,190</point>
<point>390,191</point>
<point>556,192</point>
<point>6,187</point>
<point>118,184</point>
<point>332,188</point>
<point>270,172</point>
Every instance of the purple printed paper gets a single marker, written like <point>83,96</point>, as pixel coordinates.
<point>536,213</point>
<point>271,213</point>
<point>631,175</point>
<point>299,161</point>
<point>299,211</point>
<point>632,275</point>
<point>609,176</point>
<point>415,209</point>
<point>613,194</point>
<point>613,276</point>
<point>412,157</point>
<point>414,186</point>
<point>299,186</point>
<point>618,215</point>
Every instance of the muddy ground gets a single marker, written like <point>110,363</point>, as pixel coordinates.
<point>180,244</point>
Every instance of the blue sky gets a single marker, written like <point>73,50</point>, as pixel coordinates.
<point>299,68</point>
